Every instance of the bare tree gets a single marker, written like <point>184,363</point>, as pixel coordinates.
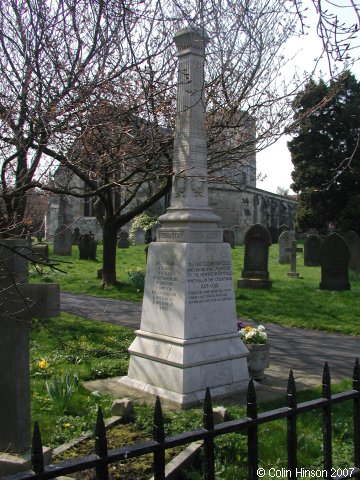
<point>91,86</point>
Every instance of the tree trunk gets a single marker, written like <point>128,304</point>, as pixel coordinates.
<point>109,255</point>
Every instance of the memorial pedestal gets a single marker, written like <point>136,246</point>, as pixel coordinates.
<point>188,338</point>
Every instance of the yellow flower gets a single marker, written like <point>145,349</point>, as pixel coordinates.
<point>67,425</point>
<point>248,328</point>
<point>42,363</point>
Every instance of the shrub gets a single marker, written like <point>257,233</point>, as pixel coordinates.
<point>143,221</point>
<point>136,279</point>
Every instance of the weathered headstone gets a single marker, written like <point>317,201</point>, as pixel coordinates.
<point>353,242</point>
<point>283,228</point>
<point>87,247</point>
<point>62,240</point>
<point>189,274</point>
<point>18,302</point>
<point>274,235</point>
<point>229,237</point>
<point>139,236</point>
<point>284,241</point>
<point>293,251</point>
<point>76,236</point>
<point>312,248</point>
<point>255,273</point>
<point>335,258</point>
<point>123,241</point>
<point>92,246</point>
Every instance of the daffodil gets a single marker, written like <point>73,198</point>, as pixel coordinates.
<point>42,363</point>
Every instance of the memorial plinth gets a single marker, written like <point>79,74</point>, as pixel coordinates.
<point>188,337</point>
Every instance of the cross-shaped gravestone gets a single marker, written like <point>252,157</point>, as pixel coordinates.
<point>293,251</point>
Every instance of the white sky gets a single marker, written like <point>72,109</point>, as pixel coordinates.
<point>275,161</point>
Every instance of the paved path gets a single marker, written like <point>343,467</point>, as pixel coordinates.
<point>303,351</point>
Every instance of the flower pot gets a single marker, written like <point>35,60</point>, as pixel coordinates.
<point>258,359</point>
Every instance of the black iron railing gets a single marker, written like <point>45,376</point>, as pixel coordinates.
<point>158,446</point>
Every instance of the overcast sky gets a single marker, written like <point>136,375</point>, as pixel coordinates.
<point>275,161</point>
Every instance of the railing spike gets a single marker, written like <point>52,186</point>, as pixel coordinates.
<point>326,382</point>
<point>208,414</point>
<point>159,436</point>
<point>101,448</point>
<point>291,391</point>
<point>251,400</point>
<point>158,426</point>
<point>37,457</point>
<point>356,375</point>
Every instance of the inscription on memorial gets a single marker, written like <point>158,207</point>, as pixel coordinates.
<point>206,281</point>
<point>163,291</point>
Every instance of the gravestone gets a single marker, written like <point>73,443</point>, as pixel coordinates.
<point>188,337</point>
<point>284,241</point>
<point>312,248</point>
<point>229,237</point>
<point>274,235</point>
<point>87,247</point>
<point>62,240</point>
<point>283,228</point>
<point>139,236</point>
<point>39,253</point>
<point>353,242</point>
<point>255,273</point>
<point>123,241</point>
<point>18,302</point>
<point>76,236</point>
<point>335,258</point>
<point>293,251</point>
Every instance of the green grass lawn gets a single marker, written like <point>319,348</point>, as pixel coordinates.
<point>92,350</point>
<point>291,301</point>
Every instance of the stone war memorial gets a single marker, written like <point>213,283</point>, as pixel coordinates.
<point>255,273</point>
<point>188,338</point>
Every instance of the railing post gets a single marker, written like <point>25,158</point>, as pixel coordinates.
<point>102,471</point>
<point>327,428</point>
<point>209,452</point>
<point>291,428</point>
<point>159,437</point>
<point>252,433</point>
<point>356,413</point>
<point>37,457</point>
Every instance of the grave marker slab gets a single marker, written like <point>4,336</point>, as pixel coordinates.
<point>284,241</point>
<point>62,240</point>
<point>293,251</point>
<point>229,237</point>
<point>312,248</point>
<point>18,302</point>
<point>255,273</point>
<point>353,242</point>
<point>123,241</point>
<point>335,258</point>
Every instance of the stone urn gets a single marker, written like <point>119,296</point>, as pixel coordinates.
<point>258,359</point>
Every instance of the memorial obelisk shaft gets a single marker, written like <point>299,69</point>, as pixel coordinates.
<point>188,337</point>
